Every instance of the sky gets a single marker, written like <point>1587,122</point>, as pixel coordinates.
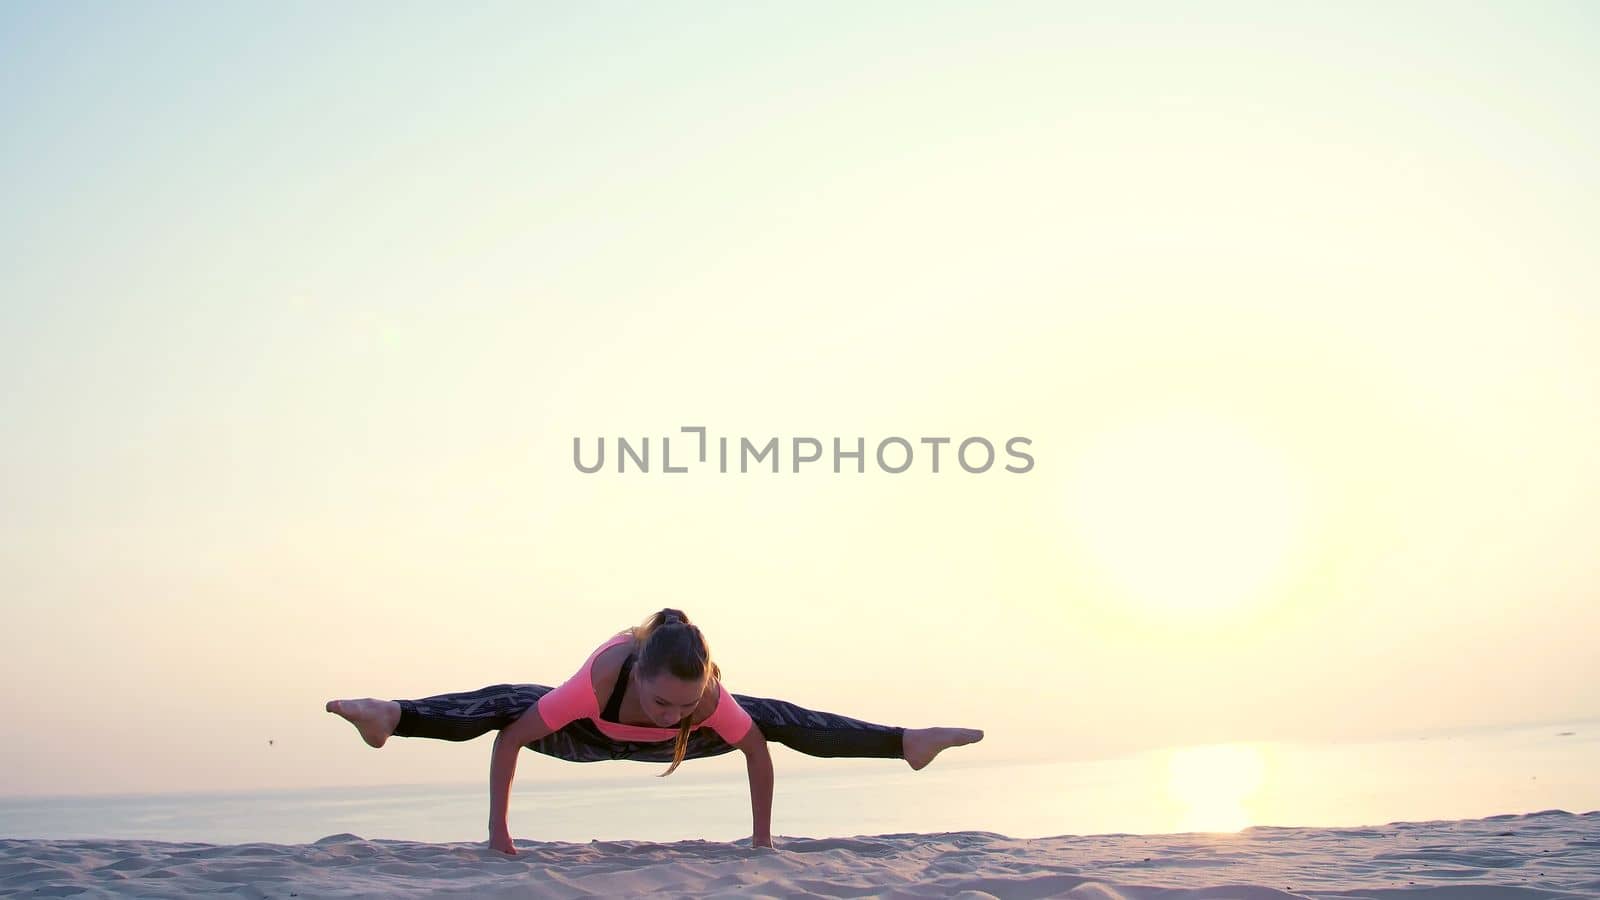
<point>302,308</point>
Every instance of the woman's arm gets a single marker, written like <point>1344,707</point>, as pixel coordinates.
<point>571,700</point>
<point>502,767</point>
<point>758,763</point>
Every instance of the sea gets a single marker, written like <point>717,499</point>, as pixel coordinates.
<point>1211,788</point>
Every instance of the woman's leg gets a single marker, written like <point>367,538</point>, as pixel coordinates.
<point>827,734</point>
<point>821,733</point>
<point>449,717</point>
<point>464,716</point>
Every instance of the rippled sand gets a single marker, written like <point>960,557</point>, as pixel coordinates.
<point>1547,854</point>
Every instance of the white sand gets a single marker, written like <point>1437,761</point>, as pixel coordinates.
<point>1539,855</point>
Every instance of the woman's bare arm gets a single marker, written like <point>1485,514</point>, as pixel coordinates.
<point>758,764</point>
<point>503,767</point>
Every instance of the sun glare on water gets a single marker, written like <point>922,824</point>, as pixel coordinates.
<point>1186,513</point>
<point>1212,784</point>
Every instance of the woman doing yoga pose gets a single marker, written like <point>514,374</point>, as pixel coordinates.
<point>665,703</point>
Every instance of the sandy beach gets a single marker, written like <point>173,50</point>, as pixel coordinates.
<point>1551,854</point>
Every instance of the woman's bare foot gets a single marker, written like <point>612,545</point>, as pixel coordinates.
<point>375,719</point>
<point>921,745</point>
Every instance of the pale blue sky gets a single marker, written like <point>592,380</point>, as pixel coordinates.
<point>303,305</point>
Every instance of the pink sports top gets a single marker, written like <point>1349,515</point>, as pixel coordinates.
<point>575,699</point>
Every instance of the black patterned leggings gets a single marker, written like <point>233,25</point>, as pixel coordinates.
<point>464,716</point>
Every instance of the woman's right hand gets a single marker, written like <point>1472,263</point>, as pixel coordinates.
<point>500,839</point>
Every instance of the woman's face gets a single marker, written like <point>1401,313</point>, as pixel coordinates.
<point>666,698</point>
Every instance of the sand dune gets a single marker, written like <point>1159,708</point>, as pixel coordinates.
<point>1551,854</point>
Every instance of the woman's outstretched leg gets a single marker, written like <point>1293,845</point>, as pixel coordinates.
<point>449,717</point>
<point>817,733</point>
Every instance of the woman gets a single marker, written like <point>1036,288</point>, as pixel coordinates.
<point>665,701</point>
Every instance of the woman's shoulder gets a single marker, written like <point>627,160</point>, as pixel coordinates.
<point>711,701</point>
<point>607,663</point>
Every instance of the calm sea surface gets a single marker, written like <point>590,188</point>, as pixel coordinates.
<point>1212,788</point>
